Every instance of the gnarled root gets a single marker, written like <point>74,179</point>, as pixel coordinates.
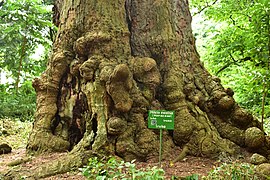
<point>182,155</point>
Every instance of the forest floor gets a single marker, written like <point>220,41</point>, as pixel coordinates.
<point>187,167</point>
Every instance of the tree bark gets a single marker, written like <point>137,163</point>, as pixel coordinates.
<point>113,61</point>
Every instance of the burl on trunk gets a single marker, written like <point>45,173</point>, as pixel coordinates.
<point>112,61</point>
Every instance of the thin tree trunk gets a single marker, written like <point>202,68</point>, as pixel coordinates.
<point>23,51</point>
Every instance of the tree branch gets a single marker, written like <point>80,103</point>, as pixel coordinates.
<point>234,62</point>
<point>205,7</point>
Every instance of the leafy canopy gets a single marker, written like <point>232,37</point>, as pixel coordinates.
<point>24,24</point>
<point>235,45</point>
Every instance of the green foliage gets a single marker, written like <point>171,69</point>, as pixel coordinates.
<point>115,169</point>
<point>24,24</point>
<point>234,43</point>
<point>234,171</point>
<point>18,104</point>
<point>192,177</point>
<point>199,6</point>
<point>244,35</point>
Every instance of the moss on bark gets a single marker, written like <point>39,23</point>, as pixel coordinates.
<point>115,60</point>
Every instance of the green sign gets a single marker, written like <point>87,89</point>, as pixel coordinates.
<point>161,119</point>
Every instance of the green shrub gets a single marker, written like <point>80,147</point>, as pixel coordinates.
<point>115,169</point>
<point>18,104</point>
<point>233,171</point>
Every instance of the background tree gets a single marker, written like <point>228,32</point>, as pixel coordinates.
<point>113,61</point>
<point>25,24</point>
<point>24,29</point>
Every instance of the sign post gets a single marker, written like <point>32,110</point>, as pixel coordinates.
<point>160,119</point>
<point>160,147</point>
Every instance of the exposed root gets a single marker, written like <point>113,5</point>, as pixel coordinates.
<point>19,161</point>
<point>71,161</point>
<point>182,155</point>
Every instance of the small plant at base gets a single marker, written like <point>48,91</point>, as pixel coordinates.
<point>192,177</point>
<point>234,171</point>
<point>115,169</point>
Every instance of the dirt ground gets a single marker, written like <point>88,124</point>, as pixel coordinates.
<point>17,138</point>
<point>186,167</point>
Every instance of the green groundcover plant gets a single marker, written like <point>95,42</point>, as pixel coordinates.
<point>232,171</point>
<point>116,169</point>
<point>19,104</point>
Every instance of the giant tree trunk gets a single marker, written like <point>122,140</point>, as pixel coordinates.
<point>112,61</point>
